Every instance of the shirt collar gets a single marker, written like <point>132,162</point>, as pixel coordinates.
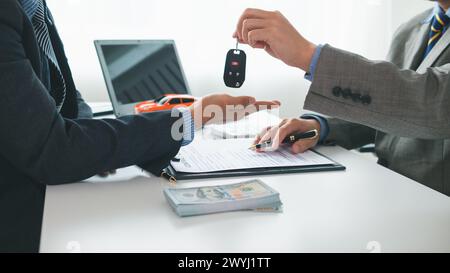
<point>436,10</point>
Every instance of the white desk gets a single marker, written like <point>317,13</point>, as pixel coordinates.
<point>323,212</point>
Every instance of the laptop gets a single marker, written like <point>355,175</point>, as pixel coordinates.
<point>140,70</point>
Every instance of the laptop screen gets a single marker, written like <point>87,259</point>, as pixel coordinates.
<point>143,71</point>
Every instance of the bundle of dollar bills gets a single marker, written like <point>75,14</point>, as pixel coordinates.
<point>250,195</point>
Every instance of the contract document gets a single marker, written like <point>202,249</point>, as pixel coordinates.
<point>248,127</point>
<point>206,156</point>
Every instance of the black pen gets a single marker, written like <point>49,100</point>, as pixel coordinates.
<point>288,140</point>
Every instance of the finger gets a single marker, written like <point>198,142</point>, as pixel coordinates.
<point>267,102</point>
<point>249,14</point>
<point>260,45</point>
<point>259,37</point>
<point>256,140</point>
<point>104,174</point>
<point>269,50</point>
<point>283,122</point>
<point>261,134</point>
<point>252,24</point>
<point>245,100</point>
<point>261,106</point>
<point>269,135</point>
<point>113,172</point>
<point>286,129</point>
<point>266,137</point>
<point>302,146</point>
<point>265,105</point>
<point>276,141</point>
<point>236,36</point>
<point>272,131</point>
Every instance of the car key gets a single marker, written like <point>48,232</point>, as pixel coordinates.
<point>234,75</point>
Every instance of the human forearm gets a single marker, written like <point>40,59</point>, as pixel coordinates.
<point>37,140</point>
<point>380,95</point>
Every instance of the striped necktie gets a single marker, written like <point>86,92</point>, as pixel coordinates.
<point>438,25</point>
<point>36,11</point>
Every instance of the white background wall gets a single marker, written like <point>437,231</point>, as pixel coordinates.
<point>202,30</point>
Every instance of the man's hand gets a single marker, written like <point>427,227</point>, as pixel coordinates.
<point>290,126</point>
<point>220,108</point>
<point>273,32</point>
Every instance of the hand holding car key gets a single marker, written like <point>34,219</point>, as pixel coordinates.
<point>234,75</point>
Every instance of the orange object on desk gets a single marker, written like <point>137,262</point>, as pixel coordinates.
<point>166,102</point>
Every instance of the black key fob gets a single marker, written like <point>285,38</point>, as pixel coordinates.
<point>234,75</point>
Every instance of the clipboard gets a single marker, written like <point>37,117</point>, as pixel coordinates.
<point>173,176</point>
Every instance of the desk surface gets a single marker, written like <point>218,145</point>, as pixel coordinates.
<point>366,206</point>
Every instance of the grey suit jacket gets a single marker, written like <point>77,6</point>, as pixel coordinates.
<point>404,103</point>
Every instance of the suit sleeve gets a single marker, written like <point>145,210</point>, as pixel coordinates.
<point>38,141</point>
<point>84,110</point>
<point>399,102</point>
<point>349,135</point>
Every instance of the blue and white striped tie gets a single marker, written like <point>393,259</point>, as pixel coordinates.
<point>36,11</point>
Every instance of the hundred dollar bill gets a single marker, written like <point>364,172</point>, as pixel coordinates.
<point>250,195</point>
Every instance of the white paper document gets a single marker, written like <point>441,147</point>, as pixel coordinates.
<point>247,127</point>
<point>203,156</point>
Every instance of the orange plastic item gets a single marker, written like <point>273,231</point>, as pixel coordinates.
<point>166,102</point>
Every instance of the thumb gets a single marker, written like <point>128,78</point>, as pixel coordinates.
<point>246,100</point>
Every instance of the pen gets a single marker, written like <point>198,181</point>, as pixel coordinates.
<point>166,175</point>
<point>288,140</point>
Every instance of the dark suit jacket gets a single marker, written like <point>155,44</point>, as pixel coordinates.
<point>39,146</point>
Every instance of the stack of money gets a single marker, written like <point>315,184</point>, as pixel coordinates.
<point>250,195</point>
